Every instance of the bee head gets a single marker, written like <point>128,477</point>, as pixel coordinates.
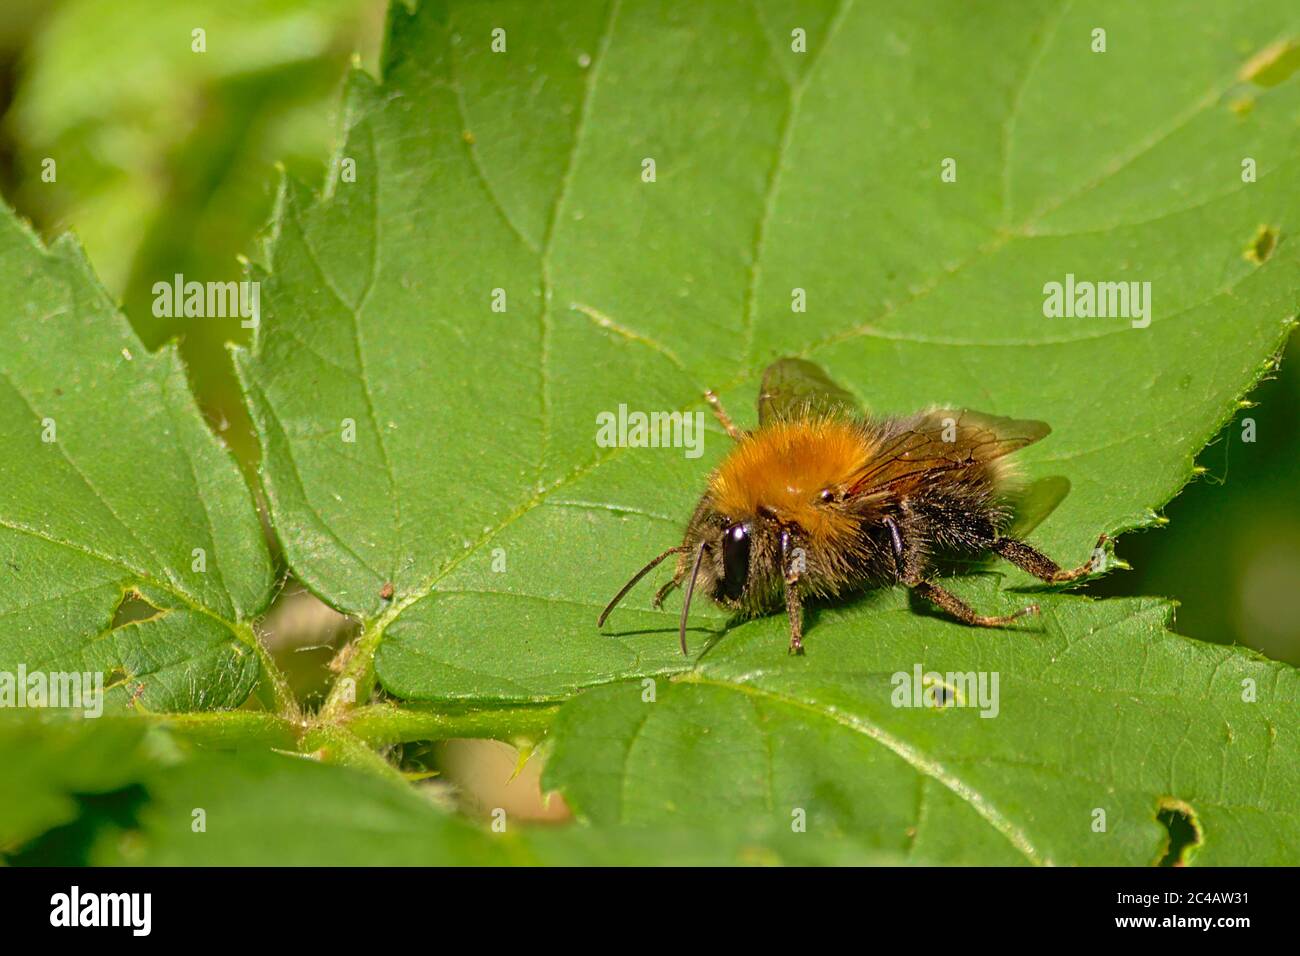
<point>737,561</point>
<point>739,557</point>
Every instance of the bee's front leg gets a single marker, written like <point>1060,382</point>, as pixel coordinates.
<point>794,609</point>
<point>668,585</point>
<point>792,560</point>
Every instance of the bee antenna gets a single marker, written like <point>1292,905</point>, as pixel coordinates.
<point>632,583</point>
<point>690,589</point>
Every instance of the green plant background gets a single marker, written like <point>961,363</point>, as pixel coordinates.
<point>169,168</point>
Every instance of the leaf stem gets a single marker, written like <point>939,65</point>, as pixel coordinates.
<point>336,745</point>
<point>272,680</point>
<point>232,727</point>
<point>356,681</point>
<point>381,725</point>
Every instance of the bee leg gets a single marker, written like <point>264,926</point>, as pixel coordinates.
<point>671,583</point>
<point>908,563</point>
<point>792,558</point>
<point>721,413</point>
<point>794,609</point>
<point>1040,565</point>
<point>963,611</point>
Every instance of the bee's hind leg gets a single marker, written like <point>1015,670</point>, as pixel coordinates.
<point>721,414</point>
<point>908,564</point>
<point>963,611</point>
<point>1041,566</point>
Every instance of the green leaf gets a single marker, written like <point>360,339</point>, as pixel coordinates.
<point>48,762</point>
<point>475,487</point>
<point>474,484</point>
<point>442,332</point>
<point>164,159</point>
<point>115,791</point>
<point>112,485</point>
<point>265,809</point>
<point>1102,711</point>
<point>150,135</point>
<point>273,810</point>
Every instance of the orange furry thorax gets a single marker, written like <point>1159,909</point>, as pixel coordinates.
<point>785,466</point>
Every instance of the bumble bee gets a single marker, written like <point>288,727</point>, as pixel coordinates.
<point>820,500</point>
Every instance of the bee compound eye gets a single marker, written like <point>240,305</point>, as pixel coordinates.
<point>827,495</point>
<point>735,560</point>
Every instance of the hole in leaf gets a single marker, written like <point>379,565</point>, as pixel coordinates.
<point>939,693</point>
<point>1184,829</point>
<point>133,609</point>
<point>1262,246</point>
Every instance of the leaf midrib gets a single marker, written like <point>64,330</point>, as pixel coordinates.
<point>914,758</point>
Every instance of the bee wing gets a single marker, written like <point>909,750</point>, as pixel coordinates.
<point>943,440</point>
<point>796,388</point>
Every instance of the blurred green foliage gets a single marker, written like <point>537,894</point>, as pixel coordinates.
<point>166,159</point>
<point>166,155</point>
<point>1230,553</point>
